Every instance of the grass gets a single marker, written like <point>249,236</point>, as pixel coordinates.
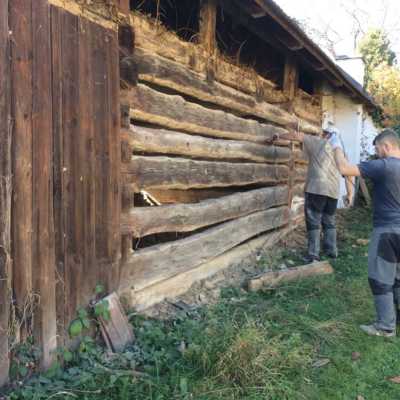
<point>255,346</point>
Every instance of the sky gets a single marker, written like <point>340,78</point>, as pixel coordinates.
<point>342,23</point>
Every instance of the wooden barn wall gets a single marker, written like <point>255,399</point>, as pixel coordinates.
<point>200,159</point>
<point>64,77</point>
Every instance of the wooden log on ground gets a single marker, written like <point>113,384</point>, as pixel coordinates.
<point>174,112</point>
<point>142,221</point>
<point>5,192</point>
<point>149,140</point>
<point>273,278</point>
<point>157,263</point>
<point>181,283</point>
<point>179,173</point>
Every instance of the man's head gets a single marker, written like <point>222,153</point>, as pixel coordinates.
<point>328,131</point>
<point>387,144</point>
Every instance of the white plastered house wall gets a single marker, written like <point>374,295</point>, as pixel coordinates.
<point>356,127</point>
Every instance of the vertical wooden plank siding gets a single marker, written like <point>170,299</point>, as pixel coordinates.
<point>5,190</point>
<point>114,186</point>
<point>72,199</point>
<point>58,171</point>
<point>100,91</point>
<point>87,162</point>
<point>43,258</point>
<point>21,70</point>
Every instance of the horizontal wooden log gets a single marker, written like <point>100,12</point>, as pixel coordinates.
<point>273,278</point>
<point>156,39</point>
<point>142,221</point>
<point>300,172</point>
<point>174,112</point>
<point>179,173</point>
<point>157,263</point>
<point>172,75</point>
<point>308,107</point>
<point>162,141</point>
<point>181,283</point>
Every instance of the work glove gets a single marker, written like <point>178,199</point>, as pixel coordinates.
<point>335,141</point>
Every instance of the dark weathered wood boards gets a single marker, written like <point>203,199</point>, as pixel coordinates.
<point>21,70</point>
<point>5,191</point>
<point>163,141</point>
<point>179,173</point>
<point>154,264</point>
<point>43,257</point>
<point>143,221</point>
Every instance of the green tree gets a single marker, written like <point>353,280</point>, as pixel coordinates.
<point>375,50</point>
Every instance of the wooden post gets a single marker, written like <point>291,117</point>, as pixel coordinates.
<point>123,6</point>
<point>5,191</point>
<point>207,28</point>
<point>208,18</point>
<point>290,78</point>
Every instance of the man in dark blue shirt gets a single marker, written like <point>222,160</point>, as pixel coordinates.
<point>384,248</point>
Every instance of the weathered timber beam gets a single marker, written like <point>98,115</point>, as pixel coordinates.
<point>5,191</point>
<point>142,221</point>
<point>274,278</point>
<point>157,40</point>
<point>172,75</point>
<point>174,112</point>
<point>178,173</point>
<point>290,78</point>
<point>149,140</point>
<point>207,25</point>
<point>177,285</point>
<point>300,172</point>
<point>157,263</point>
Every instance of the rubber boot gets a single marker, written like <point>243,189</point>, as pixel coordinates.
<point>314,238</point>
<point>330,245</point>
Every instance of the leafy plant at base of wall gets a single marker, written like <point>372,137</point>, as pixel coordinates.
<point>25,359</point>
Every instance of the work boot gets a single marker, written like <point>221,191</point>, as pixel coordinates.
<point>330,246</point>
<point>314,238</point>
<point>372,330</point>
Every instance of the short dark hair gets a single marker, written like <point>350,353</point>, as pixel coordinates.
<point>388,135</point>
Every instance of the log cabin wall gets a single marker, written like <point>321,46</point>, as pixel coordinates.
<point>61,137</point>
<point>201,179</point>
<point>133,158</point>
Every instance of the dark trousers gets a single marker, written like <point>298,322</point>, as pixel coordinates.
<point>321,211</point>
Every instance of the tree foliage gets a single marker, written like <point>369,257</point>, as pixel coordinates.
<point>375,50</point>
<point>382,76</point>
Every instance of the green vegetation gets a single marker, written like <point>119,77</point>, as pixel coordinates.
<point>300,341</point>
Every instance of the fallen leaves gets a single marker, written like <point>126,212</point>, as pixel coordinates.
<point>362,242</point>
<point>321,362</point>
<point>394,379</point>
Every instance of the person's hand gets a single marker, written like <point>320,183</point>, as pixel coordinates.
<point>348,200</point>
<point>334,141</point>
